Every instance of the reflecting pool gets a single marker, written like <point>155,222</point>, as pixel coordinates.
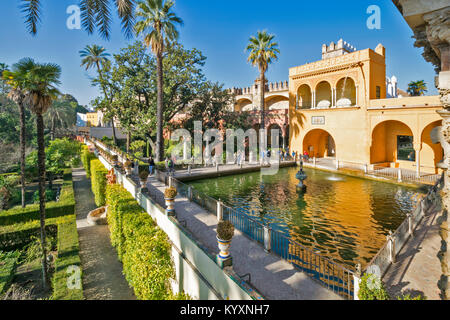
<point>344,218</point>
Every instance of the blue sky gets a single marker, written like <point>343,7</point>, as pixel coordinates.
<point>220,29</point>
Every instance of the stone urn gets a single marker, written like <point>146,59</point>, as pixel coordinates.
<point>143,176</point>
<point>127,166</point>
<point>169,195</point>
<point>115,160</point>
<point>97,216</point>
<point>225,232</point>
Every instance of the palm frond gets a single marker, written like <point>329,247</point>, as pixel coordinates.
<point>125,10</point>
<point>32,11</point>
<point>103,18</point>
<point>88,13</point>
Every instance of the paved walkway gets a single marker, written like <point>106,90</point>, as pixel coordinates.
<point>102,271</point>
<point>273,277</point>
<point>417,269</point>
<point>228,169</point>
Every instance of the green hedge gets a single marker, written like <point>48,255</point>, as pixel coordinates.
<point>98,182</point>
<point>23,235</point>
<point>53,209</point>
<point>68,256</point>
<point>8,262</point>
<point>86,157</point>
<point>143,248</point>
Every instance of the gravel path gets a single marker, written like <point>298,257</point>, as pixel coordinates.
<point>102,271</point>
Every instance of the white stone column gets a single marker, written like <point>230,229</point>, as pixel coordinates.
<point>417,163</point>
<point>313,100</point>
<point>333,97</point>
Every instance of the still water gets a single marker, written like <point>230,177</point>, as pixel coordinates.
<point>342,217</point>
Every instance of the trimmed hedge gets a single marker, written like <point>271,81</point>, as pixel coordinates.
<point>143,248</point>
<point>68,256</point>
<point>98,182</point>
<point>53,209</point>
<point>18,239</point>
<point>8,262</point>
<point>86,157</point>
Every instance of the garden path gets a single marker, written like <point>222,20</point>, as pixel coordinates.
<point>102,271</point>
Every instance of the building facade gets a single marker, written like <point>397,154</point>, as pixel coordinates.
<point>343,107</point>
<point>276,113</point>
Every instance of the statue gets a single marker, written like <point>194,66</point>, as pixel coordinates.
<point>301,176</point>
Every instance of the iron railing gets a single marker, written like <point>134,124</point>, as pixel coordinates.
<point>397,240</point>
<point>331,275</point>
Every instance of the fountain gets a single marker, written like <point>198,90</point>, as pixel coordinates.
<point>301,176</point>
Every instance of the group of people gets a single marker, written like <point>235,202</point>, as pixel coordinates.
<point>169,163</point>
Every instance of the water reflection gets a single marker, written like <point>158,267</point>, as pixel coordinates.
<point>344,218</point>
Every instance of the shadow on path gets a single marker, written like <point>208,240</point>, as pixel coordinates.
<point>102,271</point>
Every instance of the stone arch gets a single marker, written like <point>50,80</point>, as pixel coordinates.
<point>392,140</point>
<point>345,92</point>
<point>319,143</point>
<point>304,97</point>
<point>276,102</point>
<point>243,104</point>
<point>323,95</point>
<point>431,153</point>
<point>269,135</point>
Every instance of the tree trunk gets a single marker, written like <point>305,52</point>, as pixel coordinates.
<point>41,170</point>
<point>159,108</point>
<point>114,132</point>
<point>262,91</point>
<point>128,142</point>
<point>52,130</point>
<point>22,150</point>
<point>106,98</point>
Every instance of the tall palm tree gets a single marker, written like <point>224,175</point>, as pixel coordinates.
<point>16,79</point>
<point>60,113</point>
<point>417,88</point>
<point>97,56</point>
<point>94,13</point>
<point>40,91</point>
<point>156,22</point>
<point>262,52</point>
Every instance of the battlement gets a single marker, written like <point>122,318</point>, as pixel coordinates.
<point>254,89</point>
<point>334,50</point>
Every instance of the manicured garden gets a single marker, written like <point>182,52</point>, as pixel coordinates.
<point>20,248</point>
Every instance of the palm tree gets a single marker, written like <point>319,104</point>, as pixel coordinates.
<point>97,56</point>
<point>417,88</point>
<point>94,13</point>
<point>16,79</point>
<point>3,67</point>
<point>263,51</point>
<point>60,113</point>
<point>157,25</point>
<point>40,91</point>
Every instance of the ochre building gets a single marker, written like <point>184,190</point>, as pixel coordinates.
<point>338,109</point>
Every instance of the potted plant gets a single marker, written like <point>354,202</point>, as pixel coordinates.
<point>225,232</point>
<point>169,195</point>
<point>115,160</point>
<point>127,166</point>
<point>143,175</point>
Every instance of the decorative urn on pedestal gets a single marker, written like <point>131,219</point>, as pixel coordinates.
<point>225,232</point>
<point>301,176</point>
<point>127,166</point>
<point>114,160</point>
<point>169,195</point>
<point>143,176</point>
